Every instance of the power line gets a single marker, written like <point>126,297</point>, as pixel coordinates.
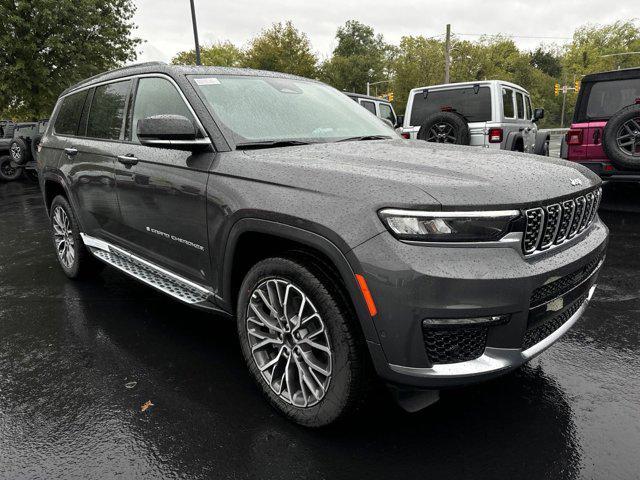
<point>510,36</point>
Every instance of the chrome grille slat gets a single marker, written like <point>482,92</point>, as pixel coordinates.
<point>554,224</point>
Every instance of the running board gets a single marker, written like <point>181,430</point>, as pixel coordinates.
<point>157,277</point>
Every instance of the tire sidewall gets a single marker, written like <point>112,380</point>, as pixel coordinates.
<point>619,158</point>
<point>24,151</point>
<point>333,403</point>
<point>454,119</point>
<point>62,202</point>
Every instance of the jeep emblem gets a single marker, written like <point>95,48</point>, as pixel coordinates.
<point>576,182</point>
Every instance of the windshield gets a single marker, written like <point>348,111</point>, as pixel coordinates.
<point>268,109</point>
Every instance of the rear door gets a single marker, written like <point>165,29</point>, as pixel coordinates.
<point>90,157</point>
<point>161,191</point>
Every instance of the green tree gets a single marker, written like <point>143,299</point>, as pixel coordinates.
<point>282,48</point>
<point>361,56</point>
<point>47,45</point>
<point>547,60</point>
<point>223,54</point>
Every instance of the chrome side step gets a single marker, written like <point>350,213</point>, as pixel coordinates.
<point>149,273</point>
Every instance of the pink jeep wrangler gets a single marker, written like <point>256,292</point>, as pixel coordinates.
<point>605,133</point>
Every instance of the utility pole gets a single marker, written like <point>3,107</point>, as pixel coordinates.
<point>195,33</point>
<point>447,54</point>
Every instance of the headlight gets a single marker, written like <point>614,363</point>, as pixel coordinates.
<point>449,226</point>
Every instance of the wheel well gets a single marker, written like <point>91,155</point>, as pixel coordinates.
<point>518,145</point>
<point>51,190</point>
<point>253,247</point>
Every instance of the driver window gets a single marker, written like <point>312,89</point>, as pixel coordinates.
<point>156,96</point>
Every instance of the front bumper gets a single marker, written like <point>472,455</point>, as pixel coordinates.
<point>411,283</point>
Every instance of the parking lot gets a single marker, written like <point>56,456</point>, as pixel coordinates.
<point>78,360</point>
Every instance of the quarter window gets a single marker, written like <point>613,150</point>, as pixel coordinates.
<point>107,113</point>
<point>69,114</point>
<point>520,103</point>
<point>369,106</point>
<point>157,96</point>
<point>507,103</point>
<point>387,112</point>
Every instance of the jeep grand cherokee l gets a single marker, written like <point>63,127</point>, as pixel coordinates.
<point>336,245</point>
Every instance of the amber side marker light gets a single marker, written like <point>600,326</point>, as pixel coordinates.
<point>362,283</point>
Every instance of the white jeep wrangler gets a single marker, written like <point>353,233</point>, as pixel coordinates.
<point>491,114</point>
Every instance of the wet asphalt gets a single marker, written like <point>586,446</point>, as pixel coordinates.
<point>78,360</point>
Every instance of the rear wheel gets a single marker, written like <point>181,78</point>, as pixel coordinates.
<point>8,172</point>
<point>300,342</point>
<point>74,258</point>
<point>445,127</point>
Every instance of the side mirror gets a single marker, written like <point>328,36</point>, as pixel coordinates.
<point>399,121</point>
<point>169,131</point>
<point>538,114</point>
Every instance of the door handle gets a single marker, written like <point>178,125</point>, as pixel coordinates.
<point>71,151</point>
<point>127,160</point>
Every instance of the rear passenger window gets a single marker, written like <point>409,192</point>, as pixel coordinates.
<point>156,96</point>
<point>69,114</point>
<point>507,103</point>
<point>107,113</point>
<point>369,106</point>
<point>520,104</point>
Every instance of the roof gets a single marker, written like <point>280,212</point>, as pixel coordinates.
<point>469,84</point>
<point>366,97</point>
<point>161,67</point>
<point>624,74</point>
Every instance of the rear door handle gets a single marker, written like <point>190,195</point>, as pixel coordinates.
<point>71,151</point>
<point>127,160</point>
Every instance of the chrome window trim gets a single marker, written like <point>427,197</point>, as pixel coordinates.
<point>133,77</point>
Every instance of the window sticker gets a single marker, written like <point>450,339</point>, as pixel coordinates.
<point>208,81</point>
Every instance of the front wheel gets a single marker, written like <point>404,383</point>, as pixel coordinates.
<point>8,172</point>
<point>300,342</point>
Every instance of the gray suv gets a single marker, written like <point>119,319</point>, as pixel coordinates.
<point>339,249</point>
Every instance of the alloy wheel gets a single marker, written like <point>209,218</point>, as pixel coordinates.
<point>289,342</point>
<point>442,132</point>
<point>16,153</point>
<point>628,138</point>
<point>63,237</point>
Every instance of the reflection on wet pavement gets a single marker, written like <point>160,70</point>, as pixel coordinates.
<point>67,350</point>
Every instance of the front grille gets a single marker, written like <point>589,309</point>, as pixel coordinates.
<point>554,224</point>
<point>561,286</point>
<point>452,344</point>
<point>538,333</point>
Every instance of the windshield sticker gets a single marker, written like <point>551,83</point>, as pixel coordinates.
<point>207,81</point>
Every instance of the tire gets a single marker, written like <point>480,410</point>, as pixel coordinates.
<point>19,151</point>
<point>80,262</point>
<point>8,173</point>
<point>542,145</point>
<point>445,127</point>
<point>621,138</point>
<point>344,368</point>
<point>35,141</point>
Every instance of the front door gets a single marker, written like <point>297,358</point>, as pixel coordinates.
<point>161,192</point>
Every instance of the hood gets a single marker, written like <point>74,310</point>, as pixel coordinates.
<point>451,175</point>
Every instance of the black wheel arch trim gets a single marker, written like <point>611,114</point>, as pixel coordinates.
<point>346,268</point>
<point>50,176</point>
<point>511,139</point>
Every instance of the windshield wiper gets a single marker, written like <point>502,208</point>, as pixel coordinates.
<point>364,137</point>
<point>271,144</point>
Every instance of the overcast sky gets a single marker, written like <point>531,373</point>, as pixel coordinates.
<point>165,25</point>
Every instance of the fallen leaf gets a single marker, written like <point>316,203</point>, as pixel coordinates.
<point>147,405</point>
